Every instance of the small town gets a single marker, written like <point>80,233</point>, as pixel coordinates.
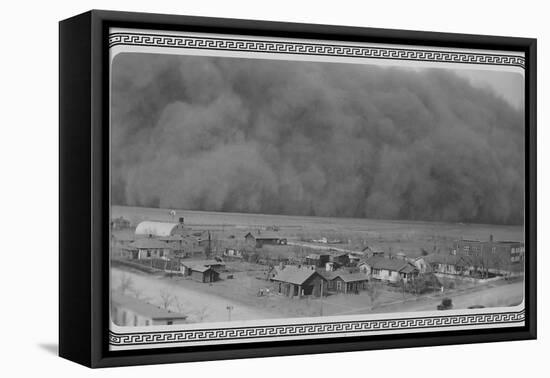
<point>168,272</point>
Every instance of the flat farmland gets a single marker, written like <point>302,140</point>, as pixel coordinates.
<point>409,237</point>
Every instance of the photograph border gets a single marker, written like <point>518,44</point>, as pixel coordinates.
<point>84,99</point>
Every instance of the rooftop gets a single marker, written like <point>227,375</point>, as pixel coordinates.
<point>206,263</point>
<point>143,308</point>
<point>147,243</point>
<point>200,268</point>
<point>351,277</point>
<point>294,275</point>
<point>396,265</point>
<point>157,228</point>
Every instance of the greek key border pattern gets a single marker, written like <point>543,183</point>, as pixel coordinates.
<point>314,329</point>
<point>308,48</point>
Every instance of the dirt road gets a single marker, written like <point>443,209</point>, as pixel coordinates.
<point>500,295</point>
<point>198,306</point>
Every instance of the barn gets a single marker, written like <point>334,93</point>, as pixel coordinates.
<point>266,237</point>
<point>161,229</point>
<point>296,282</point>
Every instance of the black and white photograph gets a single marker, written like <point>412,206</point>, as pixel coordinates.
<point>234,189</point>
<point>258,189</point>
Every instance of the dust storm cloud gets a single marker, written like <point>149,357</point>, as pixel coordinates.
<point>305,138</point>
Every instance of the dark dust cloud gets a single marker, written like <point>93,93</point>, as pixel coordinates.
<point>304,138</point>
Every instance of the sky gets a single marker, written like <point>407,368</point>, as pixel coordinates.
<point>321,139</point>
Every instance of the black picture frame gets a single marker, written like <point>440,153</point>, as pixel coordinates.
<point>84,187</point>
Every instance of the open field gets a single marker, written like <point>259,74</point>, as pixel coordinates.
<point>410,237</point>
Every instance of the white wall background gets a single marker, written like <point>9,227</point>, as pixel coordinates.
<point>29,186</point>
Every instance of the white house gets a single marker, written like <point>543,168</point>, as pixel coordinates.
<point>391,270</point>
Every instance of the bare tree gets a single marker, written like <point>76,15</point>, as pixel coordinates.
<point>166,299</point>
<point>373,291</point>
<point>126,284</point>
<point>201,314</point>
<point>179,305</point>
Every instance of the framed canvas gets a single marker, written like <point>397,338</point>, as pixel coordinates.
<point>233,188</point>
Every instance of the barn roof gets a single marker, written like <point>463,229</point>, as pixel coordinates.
<point>144,308</point>
<point>148,243</point>
<point>294,275</point>
<point>155,228</point>
<point>178,237</point>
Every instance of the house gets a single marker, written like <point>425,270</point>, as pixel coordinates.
<point>392,270</point>
<point>421,264</point>
<point>215,264</point>
<point>147,248</point>
<point>129,311</point>
<point>203,273</point>
<point>161,229</point>
<point>340,258</point>
<point>401,255</point>
<point>119,244</point>
<point>317,259</point>
<point>345,282</point>
<point>297,282</point>
<point>264,237</point>
<point>183,245</point>
<point>234,253</point>
<point>121,240</point>
<point>355,258</point>
<point>373,251</point>
<point>449,263</point>
<point>120,223</point>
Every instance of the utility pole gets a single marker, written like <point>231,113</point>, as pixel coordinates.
<point>229,308</point>
<point>209,245</point>
<point>322,284</point>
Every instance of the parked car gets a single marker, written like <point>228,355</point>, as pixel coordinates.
<point>446,304</point>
